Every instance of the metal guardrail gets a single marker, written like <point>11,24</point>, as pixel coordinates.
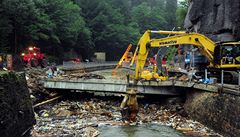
<point>227,88</point>
<point>239,81</point>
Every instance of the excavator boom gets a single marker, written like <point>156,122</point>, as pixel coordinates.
<point>205,45</point>
<point>129,103</point>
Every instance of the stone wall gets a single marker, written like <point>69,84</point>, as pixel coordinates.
<point>16,113</point>
<point>220,112</point>
<point>218,19</point>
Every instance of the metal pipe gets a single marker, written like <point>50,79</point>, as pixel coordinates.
<point>239,80</point>
<point>135,54</point>
<point>205,74</point>
<point>172,31</point>
<point>222,78</point>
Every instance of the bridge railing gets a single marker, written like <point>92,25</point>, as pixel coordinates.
<point>227,86</point>
<point>239,80</point>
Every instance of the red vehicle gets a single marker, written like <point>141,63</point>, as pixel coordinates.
<point>33,57</point>
<point>73,60</point>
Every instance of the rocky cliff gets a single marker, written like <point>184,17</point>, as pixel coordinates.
<point>218,19</point>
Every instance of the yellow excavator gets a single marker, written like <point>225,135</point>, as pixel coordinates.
<point>221,56</point>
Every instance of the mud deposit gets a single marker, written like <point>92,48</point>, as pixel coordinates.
<point>218,111</point>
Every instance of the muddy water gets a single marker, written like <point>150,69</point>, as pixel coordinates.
<point>148,130</point>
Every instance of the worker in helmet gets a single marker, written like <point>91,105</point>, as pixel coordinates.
<point>188,57</point>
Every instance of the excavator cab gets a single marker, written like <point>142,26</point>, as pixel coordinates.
<point>227,55</point>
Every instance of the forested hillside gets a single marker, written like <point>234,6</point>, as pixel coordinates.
<point>60,27</point>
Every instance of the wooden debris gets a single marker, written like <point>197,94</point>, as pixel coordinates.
<point>47,101</point>
<point>184,129</point>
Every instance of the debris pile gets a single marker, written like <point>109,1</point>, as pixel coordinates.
<point>83,75</point>
<point>121,74</point>
<point>174,116</point>
<point>83,117</point>
<point>34,77</point>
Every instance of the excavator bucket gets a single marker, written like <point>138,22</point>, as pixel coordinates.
<point>129,106</point>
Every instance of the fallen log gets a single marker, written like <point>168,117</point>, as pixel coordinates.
<point>47,101</point>
<point>184,129</point>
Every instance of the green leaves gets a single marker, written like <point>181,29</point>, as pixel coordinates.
<point>84,26</point>
<point>149,16</point>
<point>65,16</point>
<point>5,29</point>
<point>181,12</point>
<point>46,22</point>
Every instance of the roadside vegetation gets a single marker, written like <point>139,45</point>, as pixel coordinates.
<point>60,27</point>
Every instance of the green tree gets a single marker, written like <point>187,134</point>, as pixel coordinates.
<point>110,32</point>
<point>181,12</point>
<point>52,25</point>
<point>23,23</point>
<point>65,15</point>
<point>5,30</point>
<point>83,26</point>
<point>170,16</point>
<point>148,16</point>
<point>68,26</point>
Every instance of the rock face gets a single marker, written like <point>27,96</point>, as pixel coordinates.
<point>218,111</point>
<point>218,19</point>
<point>16,113</point>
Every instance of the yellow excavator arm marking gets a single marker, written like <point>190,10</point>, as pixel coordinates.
<point>204,44</point>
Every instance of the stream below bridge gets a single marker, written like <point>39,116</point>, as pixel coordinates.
<point>146,130</point>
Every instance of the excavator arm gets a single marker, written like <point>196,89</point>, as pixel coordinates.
<point>205,45</point>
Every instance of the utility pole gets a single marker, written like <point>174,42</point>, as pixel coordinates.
<point>239,80</point>
<point>222,79</point>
